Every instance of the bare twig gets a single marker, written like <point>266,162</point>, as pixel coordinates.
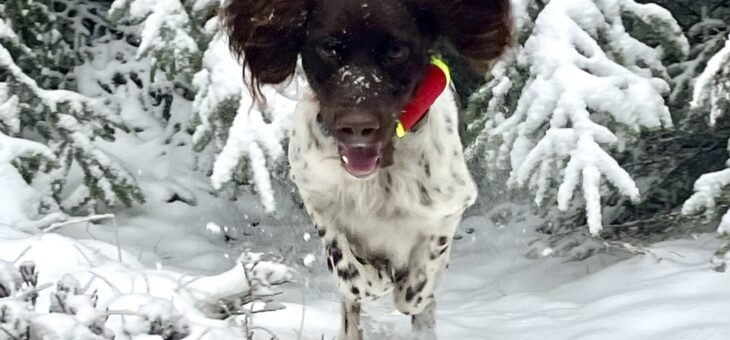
<point>33,290</point>
<point>273,336</point>
<point>8,333</point>
<point>207,330</point>
<point>92,218</point>
<point>113,287</point>
<point>22,253</point>
<point>91,264</point>
<point>116,234</point>
<point>123,312</point>
<point>304,309</point>
<point>181,285</point>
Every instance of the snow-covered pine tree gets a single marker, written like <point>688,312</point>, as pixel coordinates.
<point>579,87</point>
<point>182,40</point>
<point>712,88</point>
<point>707,27</point>
<point>667,163</point>
<point>36,93</point>
<point>174,34</point>
<point>248,133</point>
<point>48,57</point>
<point>712,94</point>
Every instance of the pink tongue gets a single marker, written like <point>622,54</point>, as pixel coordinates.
<point>360,162</point>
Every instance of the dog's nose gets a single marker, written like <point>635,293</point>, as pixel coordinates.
<point>354,129</point>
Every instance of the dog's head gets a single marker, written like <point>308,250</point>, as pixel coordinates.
<point>363,58</point>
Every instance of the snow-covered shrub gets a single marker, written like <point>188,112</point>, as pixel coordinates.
<point>712,94</point>
<point>10,279</point>
<point>107,299</point>
<point>181,38</point>
<point>666,164</point>
<point>248,134</point>
<point>35,106</point>
<point>707,28</point>
<point>17,296</point>
<point>23,207</point>
<point>147,315</point>
<point>712,89</point>
<point>38,47</point>
<point>173,34</point>
<point>579,87</point>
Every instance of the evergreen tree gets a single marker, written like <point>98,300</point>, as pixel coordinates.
<point>669,162</point>
<point>580,88</point>
<point>40,105</point>
<point>249,134</point>
<point>181,38</point>
<point>706,23</point>
<point>712,94</point>
<point>174,35</point>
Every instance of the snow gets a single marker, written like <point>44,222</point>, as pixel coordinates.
<point>706,90</point>
<point>709,92</point>
<point>162,15</point>
<point>258,129</point>
<point>670,293</point>
<point>175,301</point>
<point>13,148</point>
<point>22,205</point>
<point>200,5</point>
<point>576,101</point>
<point>492,290</point>
<point>308,260</point>
<point>708,188</point>
<point>9,110</point>
<point>175,265</point>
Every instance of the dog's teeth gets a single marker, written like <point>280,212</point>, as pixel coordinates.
<point>344,159</point>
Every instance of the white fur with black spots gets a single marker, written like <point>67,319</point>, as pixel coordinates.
<point>391,231</point>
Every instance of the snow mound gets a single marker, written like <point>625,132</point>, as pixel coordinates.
<point>67,289</point>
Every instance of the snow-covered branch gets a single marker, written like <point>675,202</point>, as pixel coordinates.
<point>712,93</point>
<point>583,87</point>
<point>169,35</point>
<point>712,89</point>
<point>68,122</point>
<point>252,144</point>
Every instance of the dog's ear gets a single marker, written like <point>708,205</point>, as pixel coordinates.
<point>480,30</point>
<point>267,34</point>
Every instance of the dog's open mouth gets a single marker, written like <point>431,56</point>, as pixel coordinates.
<point>360,161</point>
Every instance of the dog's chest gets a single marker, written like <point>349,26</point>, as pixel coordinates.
<point>419,195</point>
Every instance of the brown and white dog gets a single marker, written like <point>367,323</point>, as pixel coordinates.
<point>386,207</point>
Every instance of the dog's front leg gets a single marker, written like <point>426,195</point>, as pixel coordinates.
<point>350,317</point>
<point>414,292</point>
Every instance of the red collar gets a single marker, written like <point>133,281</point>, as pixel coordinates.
<point>435,82</point>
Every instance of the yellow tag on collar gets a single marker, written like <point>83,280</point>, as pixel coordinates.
<point>436,60</point>
<point>400,130</point>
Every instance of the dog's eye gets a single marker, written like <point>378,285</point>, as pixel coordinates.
<point>397,54</point>
<point>328,49</point>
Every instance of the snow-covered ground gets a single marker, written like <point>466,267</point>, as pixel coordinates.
<point>165,258</point>
<point>492,290</point>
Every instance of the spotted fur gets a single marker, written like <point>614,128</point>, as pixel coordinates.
<point>391,232</point>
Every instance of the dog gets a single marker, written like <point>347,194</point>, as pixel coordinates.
<point>386,207</point>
